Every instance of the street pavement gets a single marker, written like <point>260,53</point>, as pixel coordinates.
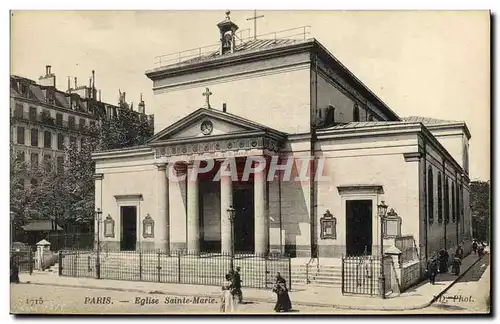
<point>467,295</point>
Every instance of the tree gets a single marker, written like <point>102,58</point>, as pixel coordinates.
<point>480,208</point>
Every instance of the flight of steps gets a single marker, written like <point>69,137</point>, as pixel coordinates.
<point>324,275</point>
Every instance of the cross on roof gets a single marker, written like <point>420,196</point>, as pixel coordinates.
<point>254,18</point>
<point>207,95</point>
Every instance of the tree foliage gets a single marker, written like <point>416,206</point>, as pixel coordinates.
<point>68,196</point>
<point>480,205</point>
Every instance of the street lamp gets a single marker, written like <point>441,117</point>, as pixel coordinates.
<point>98,214</point>
<point>382,210</point>
<point>230,215</point>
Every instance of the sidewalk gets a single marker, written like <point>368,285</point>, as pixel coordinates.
<point>417,297</point>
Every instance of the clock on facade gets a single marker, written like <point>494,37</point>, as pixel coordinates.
<point>207,127</point>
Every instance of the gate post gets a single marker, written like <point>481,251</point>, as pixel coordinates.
<point>159,267</point>
<point>290,272</point>
<point>140,265</point>
<point>60,263</point>
<point>179,267</point>
<point>31,260</point>
<point>342,274</point>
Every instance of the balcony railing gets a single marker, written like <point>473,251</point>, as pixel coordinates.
<point>44,119</point>
<point>295,34</point>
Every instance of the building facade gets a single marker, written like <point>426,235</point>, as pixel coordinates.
<point>324,152</point>
<point>45,120</point>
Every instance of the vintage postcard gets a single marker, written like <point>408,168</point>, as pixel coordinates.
<point>250,162</point>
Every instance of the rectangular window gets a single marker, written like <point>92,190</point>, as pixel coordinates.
<point>60,141</point>
<point>47,162</point>
<point>60,164</point>
<point>71,122</point>
<point>92,124</point>
<point>59,119</point>
<point>72,140</point>
<point>34,160</point>
<point>82,123</point>
<point>34,182</point>
<point>21,156</point>
<point>33,113</point>
<point>20,135</point>
<point>47,139</point>
<point>34,137</point>
<point>19,111</point>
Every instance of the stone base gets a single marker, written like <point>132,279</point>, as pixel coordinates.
<point>331,251</point>
<point>177,247</point>
<point>110,246</point>
<point>297,251</point>
<point>145,246</point>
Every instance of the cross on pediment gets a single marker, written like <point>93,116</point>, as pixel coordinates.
<point>207,95</point>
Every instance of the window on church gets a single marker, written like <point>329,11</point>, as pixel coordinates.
<point>440,198</point>
<point>453,212</point>
<point>355,113</point>
<point>430,195</point>
<point>457,201</point>
<point>446,201</point>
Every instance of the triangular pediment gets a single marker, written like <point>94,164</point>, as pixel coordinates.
<point>206,123</point>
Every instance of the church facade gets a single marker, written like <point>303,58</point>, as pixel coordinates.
<point>276,146</point>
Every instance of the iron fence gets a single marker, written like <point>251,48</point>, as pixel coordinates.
<point>257,271</point>
<point>360,275</point>
<point>25,260</point>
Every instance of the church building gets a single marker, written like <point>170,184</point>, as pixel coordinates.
<point>325,153</point>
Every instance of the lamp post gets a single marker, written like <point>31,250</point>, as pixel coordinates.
<point>382,210</point>
<point>98,214</point>
<point>230,215</point>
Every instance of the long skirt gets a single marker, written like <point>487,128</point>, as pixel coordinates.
<point>283,302</point>
<point>228,302</point>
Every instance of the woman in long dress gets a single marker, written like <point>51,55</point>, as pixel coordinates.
<point>228,304</point>
<point>283,302</point>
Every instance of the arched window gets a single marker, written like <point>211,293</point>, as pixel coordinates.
<point>446,201</point>
<point>453,212</point>
<point>430,195</point>
<point>355,113</point>
<point>440,199</point>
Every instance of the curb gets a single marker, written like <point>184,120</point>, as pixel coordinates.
<point>271,300</point>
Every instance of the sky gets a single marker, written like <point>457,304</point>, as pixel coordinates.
<point>426,63</point>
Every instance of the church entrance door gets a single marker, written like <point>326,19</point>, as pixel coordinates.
<point>129,228</point>
<point>358,227</point>
<point>243,221</point>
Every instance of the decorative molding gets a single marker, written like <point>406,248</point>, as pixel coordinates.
<point>148,227</point>
<point>391,221</point>
<point>413,156</point>
<point>356,188</point>
<point>161,167</point>
<point>129,197</point>
<point>328,226</point>
<point>109,227</point>
<point>98,176</point>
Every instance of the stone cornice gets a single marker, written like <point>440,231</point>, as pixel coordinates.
<point>452,125</point>
<point>122,153</point>
<point>129,197</point>
<point>98,176</point>
<point>413,156</point>
<point>375,188</point>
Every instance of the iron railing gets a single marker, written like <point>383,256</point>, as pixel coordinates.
<point>25,260</point>
<point>298,33</point>
<point>257,271</point>
<point>360,275</point>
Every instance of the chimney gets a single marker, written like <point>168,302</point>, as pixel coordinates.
<point>93,85</point>
<point>99,95</point>
<point>90,83</point>
<point>142,106</point>
<point>76,83</point>
<point>224,107</point>
<point>48,80</point>
<point>69,84</point>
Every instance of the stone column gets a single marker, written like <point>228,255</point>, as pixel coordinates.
<point>226,201</point>
<point>193,226</point>
<point>260,213</point>
<point>161,228</point>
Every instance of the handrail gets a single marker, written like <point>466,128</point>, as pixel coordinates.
<point>178,57</point>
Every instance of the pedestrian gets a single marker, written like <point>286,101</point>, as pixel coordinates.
<point>459,252</point>
<point>456,265</point>
<point>14,270</point>
<point>432,270</point>
<point>228,304</point>
<point>474,246</point>
<point>237,285</point>
<point>443,261</point>
<point>283,302</point>
<point>480,250</point>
